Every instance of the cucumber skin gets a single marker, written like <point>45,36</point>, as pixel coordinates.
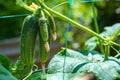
<point>43,40</point>
<point>28,38</point>
<point>43,53</point>
<point>43,29</point>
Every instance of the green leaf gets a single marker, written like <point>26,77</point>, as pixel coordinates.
<point>5,61</point>
<point>105,68</point>
<point>72,58</point>
<point>5,74</point>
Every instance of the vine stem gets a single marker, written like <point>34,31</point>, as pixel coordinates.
<point>107,50</point>
<point>28,75</point>
<point>71,21</point>
<point>75,23</point>
<point>43,67</point>
<point>41,3</point>
<point>97,27</point>
<point>116,34</point>
<point>95,18</point>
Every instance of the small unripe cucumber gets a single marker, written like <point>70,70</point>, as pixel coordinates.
<point>51,24</point>
<point>28,38</point>
<point>43,37</point>
<point>53,27</point>
<point>44,49</point>
<point>43,29</point>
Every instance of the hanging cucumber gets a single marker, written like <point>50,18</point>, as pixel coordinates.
<point>43,27</point>
<point>44,50</point>
<point>43,37</point>
<point>52,24</point>
<point>53,27</point>
<point>28,38</point>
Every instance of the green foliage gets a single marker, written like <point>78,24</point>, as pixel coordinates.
<point>5,74</point>
<point>10,27</point>
<point>5,61</point>
<point>19,69</point>
<point>105,68</point>
<point>108,13</point>
<point>5,66</point>
<point>70,64</point>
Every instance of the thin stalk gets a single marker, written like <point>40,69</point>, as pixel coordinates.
<point>116,44</point>
<point>107,50</point>
<point>71,21</point>
<point>95,18</point>
<point>60,4</point>
<point>118,54</point>
<point>43,67</point>
<point>116,34</point>
<point>24,5</point>
<point>43,71</point>
<point>28,8</point>
<point>28,75</point>
<point>96,26</point>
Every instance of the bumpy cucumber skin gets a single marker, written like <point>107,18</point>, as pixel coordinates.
<point>43,29</point>
<point>43,39</point>
<point>52,23</point>
<point>28,38</point>
<point>53,27</point>
<point>44,51</point>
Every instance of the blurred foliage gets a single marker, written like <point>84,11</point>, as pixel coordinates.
<point>108,13</point>
<point>10,27</point>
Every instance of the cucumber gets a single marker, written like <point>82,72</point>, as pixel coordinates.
<point>44,50</point>
<point>43,39</point>
<point>42,22</point>
<point>51,24</point>
<point>28,38</point>
<point>53,27</point>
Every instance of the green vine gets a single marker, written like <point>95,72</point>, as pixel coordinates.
<point>102,39</point>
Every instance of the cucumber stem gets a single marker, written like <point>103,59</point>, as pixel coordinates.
<point>43,67</point>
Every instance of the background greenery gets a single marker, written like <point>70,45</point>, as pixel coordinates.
<point>108,13</point>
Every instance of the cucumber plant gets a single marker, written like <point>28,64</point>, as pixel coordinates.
<point>67,64</point>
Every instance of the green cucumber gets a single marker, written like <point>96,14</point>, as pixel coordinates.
<point>53,27</point>
<point>51,24</point>
<point>28,38</point>
<point>43,29</point>
<point>44,50</point>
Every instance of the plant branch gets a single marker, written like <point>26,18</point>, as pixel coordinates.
<point>95,18</point>
<point>107,50</point>
<point>96,26</point>
<point>116,34</point>
<point>116,44</point>
<point>25,6</point>
<point>118,54</point>
<point>71,21</point>
<point>22,4</point>
<point>28,75</point>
